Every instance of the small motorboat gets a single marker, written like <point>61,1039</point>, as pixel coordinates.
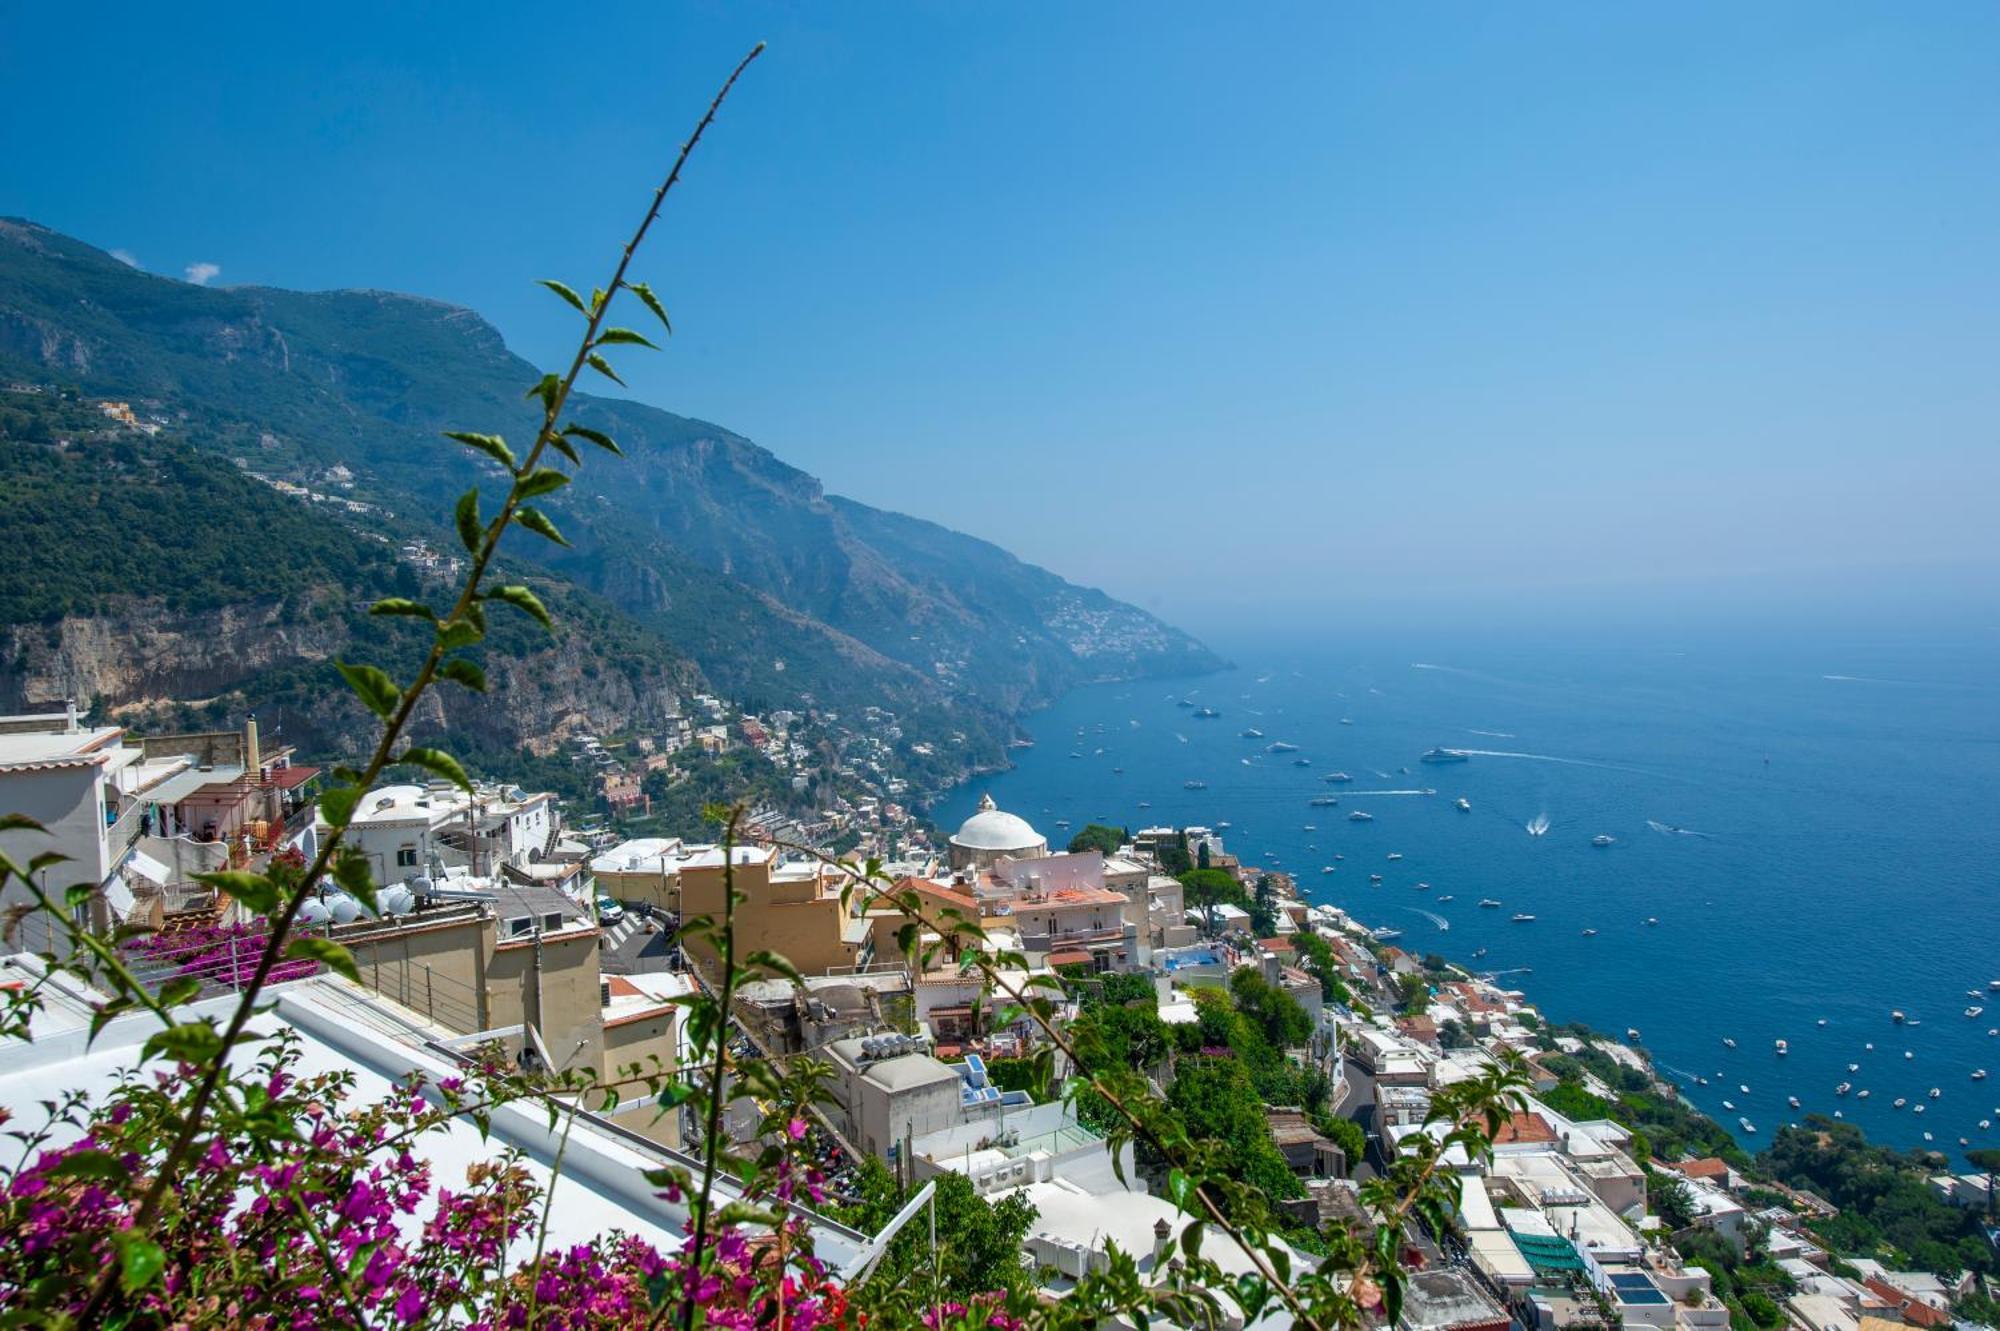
<point>1395,854</point>
<point>1446,897</point>
<point>1974,1011</point>
<point>1843,1088</point>
<point>1898,1102</point>
<point>1792,1100</point>
<point>1602,840</point>
<point>1935,1093</point>
<point>1782,1047</point>
<point>1744,1089</point>
<point>1729,1104</point>
<point>1464,804</point>
<point>1748,1126</point>
<point>1523,919</point>
<point>1979,1074</point>
<point>1898,1017</point>
<point>1862,1094</point>
<point>1729,1042</point>
<point>1590,933</point>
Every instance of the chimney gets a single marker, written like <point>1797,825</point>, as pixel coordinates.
<point>252,757</point>
<point>1163,1241</point>
<point>69,716</point>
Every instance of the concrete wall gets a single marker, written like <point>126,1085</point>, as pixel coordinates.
<point>67,801</point>
<point>640,1041</point>
<point>438,969</point>
<point>551,981</point>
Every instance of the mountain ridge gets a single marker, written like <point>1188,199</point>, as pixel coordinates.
<point>776,589</point>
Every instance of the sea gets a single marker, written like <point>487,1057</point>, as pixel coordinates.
<point>1805,837</point>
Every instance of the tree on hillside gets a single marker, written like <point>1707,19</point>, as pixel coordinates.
<point>1208,888</point>
<point>1201,856</point>
<point>1097,837</point>
<point>1264,907</point>
<point>1270,1009</point>
<point>979,1242</point>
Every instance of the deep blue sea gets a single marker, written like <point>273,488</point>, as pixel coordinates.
<point>1813,819</point>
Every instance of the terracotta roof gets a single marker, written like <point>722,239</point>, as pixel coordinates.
<point>1913,1310</point>
<point>1068,958</point>
<point>1524,1127</point>
<point>286,778</point>
<point>1276,944</point>
<point>1706,1167</point>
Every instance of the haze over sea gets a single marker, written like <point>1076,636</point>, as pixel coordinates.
<point>1852,873</point>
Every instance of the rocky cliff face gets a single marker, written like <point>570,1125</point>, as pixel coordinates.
<point>143,664</point>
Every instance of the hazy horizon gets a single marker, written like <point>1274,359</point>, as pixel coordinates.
<point>1560,312</point>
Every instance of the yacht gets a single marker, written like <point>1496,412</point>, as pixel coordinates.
<point>1423,887</point>
<point>1336,776</point>
<point>1601,839</point>
<point>1729,1041</point>
<point>1488,902</point>
<point>1792,1100</point>
<point>1302,762</point>
<point>1935,1093</point>
<point>1979,1074</point>
<point>1345,721</point>
<point>1359,816</point>
<point>1395,855</point>
<point>1478,952</point>
<point>1323,801</point>
<point>1898,1017</point>
<point>1993,986</point>
<point>1632,1034</point>
<point>1441,755</point>
<point>1701,1081</point>
<point>1374,877</point>
<point>1328,868</point>
<point>1843,1088</point>
<point>1729,1104</point>
<point>1464,804</point>
<point>1253,733</point>
<point>1916,1109</point>
<point>1446,897</point>
<point>1898,1102</point>
<point>1748,1126</point>
<point>1385,933</point>
<point>1309,827</point>
<point>1524,919</point>
<point>1194,785</point>
<point>1145,804</point>
<point>1652,919</point>
<point>1782,1047</point>
<point>1590,933</point>
<point>1974,1011</point>
<point>1854,1067</point>
<point>1822,1021</point>
<point>1863,1093</point>
<point>1743,1089</point>
<point>1224,825</point>
<point>1279,746</point>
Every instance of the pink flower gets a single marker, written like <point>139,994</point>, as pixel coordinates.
<point>796,1129</point>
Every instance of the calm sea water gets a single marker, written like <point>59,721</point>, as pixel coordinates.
<point>1814,823</point>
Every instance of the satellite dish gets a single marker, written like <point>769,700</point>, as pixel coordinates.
<point>345,909</point>
<point>397,900</point>
<point>314,912</point>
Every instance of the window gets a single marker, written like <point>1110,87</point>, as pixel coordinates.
<point>406,858</point>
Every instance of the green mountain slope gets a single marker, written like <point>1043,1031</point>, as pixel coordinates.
<point>710,548</point>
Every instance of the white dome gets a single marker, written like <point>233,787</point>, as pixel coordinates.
<point>993,829</point>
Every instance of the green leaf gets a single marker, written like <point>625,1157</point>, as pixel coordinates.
<point>1179,1187</point>
<point>623,337</point>
<point>564,447</point>
<point>338,804</point>
<point>252,889</point>
<point>461,633</point>
<point>461,671</point>
<point>541,481</point>
<point>324,950</point>
<point>140,1260</point>
<point>402,605</point>
<point>191,1042</point>
<point>598,437</point>
<point>548,388</point>
<point>19,822</point>
<point>492,445</point>
<point>470,532</point>
<point>523,600</point>
<point>89,1164</point>
<point>645,292</point>
<point>437,760</point>
<point>569,296</point>
<point>181,989</point>
<point>603,367</point>
<point>538,522</point>
<point>350,870</point>
<point>373,686</point>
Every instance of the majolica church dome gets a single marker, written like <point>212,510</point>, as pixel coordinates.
<point>992,834</point>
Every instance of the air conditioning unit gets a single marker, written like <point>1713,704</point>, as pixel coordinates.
<point>518,926</point>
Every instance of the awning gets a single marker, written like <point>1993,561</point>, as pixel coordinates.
<point>183,784</point>
<point>290,778</point>
<point>148,868</point>
<point>1069,958</point>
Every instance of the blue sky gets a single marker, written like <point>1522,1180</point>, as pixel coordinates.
<point>1308,309</point>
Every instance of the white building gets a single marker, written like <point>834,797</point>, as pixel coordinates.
<point>990,834</point>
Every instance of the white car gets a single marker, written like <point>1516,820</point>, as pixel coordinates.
<point>609,911</point>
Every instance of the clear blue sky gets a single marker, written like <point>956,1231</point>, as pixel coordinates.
<point>1308,306</point>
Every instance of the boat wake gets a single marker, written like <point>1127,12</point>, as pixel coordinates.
<point>1182,738</point>
<point>1552,758</point>
<point>1388,792</point>
<point>1444,925</point>
<point>1492,734</point>
<point>1538,825</point>
<point>1517,970</point>
<point>1668,829</point>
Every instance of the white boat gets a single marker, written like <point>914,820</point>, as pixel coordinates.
<point>1822,1021</point>
<point>1974,1011</point>
<point>1854,1067</point>
<point>1935,1093</point>
<point>1701,1081</point>
<point>1395,854</point>
<point>1863,1093</point>
<point>1336,777</point>
<point>1328,868</point>
<point>1729,1104</point>
<point>1898,1102</point>
<point>1464,804</point>
<point>1843,1088</point>
<point>1748,1126</point>
<point>1908,1054</point>
<point>1792,1100</point>
<point>1194,785</point>
<point>1652,919</point>
<point>1993,986</point>
<point>1744,1089</point>
<point>1782,1047</point>
<point>1385,933</point>
<point>1360,816</point>
<point>1898,1017</point>
<point>1632,1034</point>
<point>1310,827</point>
<point>1602,840</point>
<point>1590,933</point>
<point>1374,877</point>
<point>1523,919</point>
<point>1731,1043</point>
<point>1488,902</point>
<point>1917,1109</point>
<point>1446,897</point>
<point>1253,733</point>
<point>1423,887</point>
<point>1979,1074</point>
